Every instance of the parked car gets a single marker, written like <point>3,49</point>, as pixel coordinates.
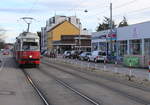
<point>84,55</point>
<point>75,54</point>
<point>5,53</point>
<point>67,54</point>
<point>97,56</point>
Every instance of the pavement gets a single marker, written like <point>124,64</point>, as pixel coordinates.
<point>14,88</point>
<point>139,73</point>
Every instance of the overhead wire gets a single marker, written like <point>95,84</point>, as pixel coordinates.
<point>30,10</point>
<point>33,5</point>
<point>125,4</point>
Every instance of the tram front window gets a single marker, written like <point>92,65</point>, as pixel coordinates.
<point>30,46</point>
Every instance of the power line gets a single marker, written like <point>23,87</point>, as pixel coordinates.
<point>131,12</point>
<point>125,4</point>
<point>33,5</point>
<point>135,11</point>
<point>120,6</point>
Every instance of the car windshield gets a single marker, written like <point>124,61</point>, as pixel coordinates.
<point>30,46</point>
<point>102,53</point>
<point>88,53</point>
<point>82,54</point>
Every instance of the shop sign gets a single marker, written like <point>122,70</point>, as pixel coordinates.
<point>112,36</point>
<point>131,61</point>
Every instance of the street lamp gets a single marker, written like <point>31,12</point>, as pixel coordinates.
<point>80,32</point>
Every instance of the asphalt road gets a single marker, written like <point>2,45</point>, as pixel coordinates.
<point>16,90</point>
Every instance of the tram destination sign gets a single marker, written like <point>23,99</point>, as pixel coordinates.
<point>29,40</point>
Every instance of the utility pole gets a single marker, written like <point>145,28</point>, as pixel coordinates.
<point>111,28</point>
<point>79,36</point>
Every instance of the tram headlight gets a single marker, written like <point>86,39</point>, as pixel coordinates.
<point>30,56</point>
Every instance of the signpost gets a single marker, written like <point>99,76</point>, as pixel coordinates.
<point>130,72</point>
<point>104,64</point>
<point>116,69</point>
<point>149,71</point>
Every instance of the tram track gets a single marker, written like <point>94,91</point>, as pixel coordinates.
<point>121,92</point>
<point>67,85</point>
<point>36,88</point>
<point>127,83</point>
<point>64,84</point>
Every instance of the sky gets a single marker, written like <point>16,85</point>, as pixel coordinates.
<point>11,12</point>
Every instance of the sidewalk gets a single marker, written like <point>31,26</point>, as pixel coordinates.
<point>14,89</point>
<point>137,72</point>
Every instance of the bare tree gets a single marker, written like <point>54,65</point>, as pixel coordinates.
<point>123,22</point>
<point>105,24</point>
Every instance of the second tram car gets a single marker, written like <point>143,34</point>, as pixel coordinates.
<point>27,49</point>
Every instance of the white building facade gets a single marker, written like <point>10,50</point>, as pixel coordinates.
<point>129,40</point>
<point>134,39</point>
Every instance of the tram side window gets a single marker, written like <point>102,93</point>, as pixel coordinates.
<point>30,46</point>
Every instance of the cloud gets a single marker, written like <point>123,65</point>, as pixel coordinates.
<point>59,6</point>
<point>12,10</point>
<point>20,10</point>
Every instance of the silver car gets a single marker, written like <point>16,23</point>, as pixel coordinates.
<point>97,56</point>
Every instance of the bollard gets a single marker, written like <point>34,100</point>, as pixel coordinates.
<point>149,72</point>
<point>130,73</point>
<point>104,64</point>
<point>116,69</point>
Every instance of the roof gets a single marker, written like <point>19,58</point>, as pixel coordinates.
<point>27,35</point>
<point>60,24</point>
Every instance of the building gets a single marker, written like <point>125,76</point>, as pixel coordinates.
<point>8,46</point>
<point>55,33</point>
<point>43,42</point>
<point>75,42</point>
<point>104,41</point>
<point>39,34</point>
<point>55,21</point>
<point>133,40</point>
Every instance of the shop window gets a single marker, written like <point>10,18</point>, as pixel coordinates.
<point>94,46</point>
<point>147,47</point>
<point>122,48</point>
<point>102,46</point>
<point>135,47</point>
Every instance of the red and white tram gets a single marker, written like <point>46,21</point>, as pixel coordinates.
<point>27,49</point>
